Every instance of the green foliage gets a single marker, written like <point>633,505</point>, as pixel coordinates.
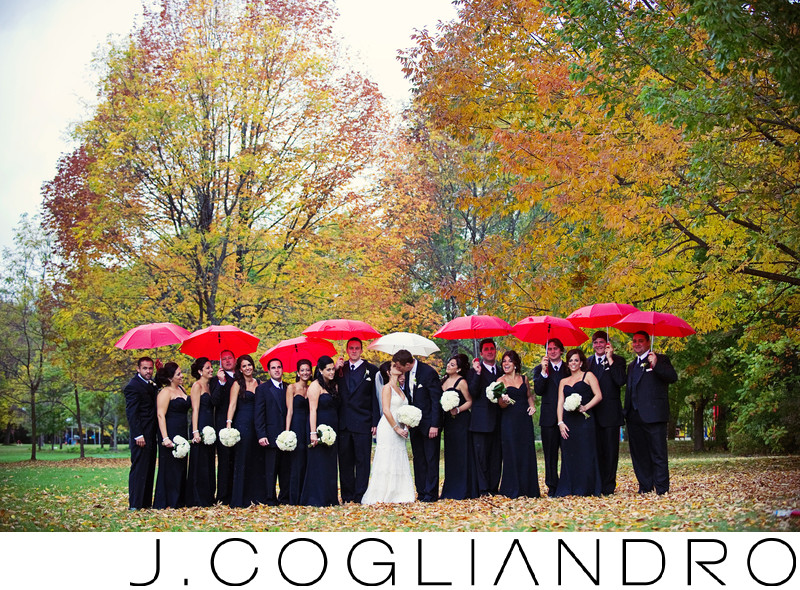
<point>768,406</point>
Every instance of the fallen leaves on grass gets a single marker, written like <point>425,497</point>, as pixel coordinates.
<point>730,494</point>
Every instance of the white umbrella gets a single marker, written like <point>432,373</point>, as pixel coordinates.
<point>413,343</point>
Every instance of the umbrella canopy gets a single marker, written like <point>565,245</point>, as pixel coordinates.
<point>296,349</point>
<point>473,326</point>
<point>600,315</point>
<point>213,340</point>
<point>540,328</point>
<point>152,336</point>
<point>655,323</point>
<point>341,329</point>
<point>413,343</point>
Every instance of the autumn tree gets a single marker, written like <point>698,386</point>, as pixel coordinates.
<point>225,134</point>
<point>26,312</point>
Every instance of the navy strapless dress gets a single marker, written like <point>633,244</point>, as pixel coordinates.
<point>320,487</point>
<point>201,481</point>
<point>171,478</point>
<point>520,475</point>
<point>459,463</point>
<point>298,457</point>
<point>249,472</point>
<point>580,472</point>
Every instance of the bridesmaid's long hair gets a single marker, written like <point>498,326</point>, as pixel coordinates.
<point>462,363</point>
<point>330,386</point>
<point>238,376</point>
<point>165,374</point>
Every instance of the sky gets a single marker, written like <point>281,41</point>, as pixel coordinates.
<point>47,84</point>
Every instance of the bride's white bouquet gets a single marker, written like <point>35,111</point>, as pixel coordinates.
<point>229,436</point>
<point>287,440</point>
<point>208,435</point>
<point>573,402</point>
<point>181,448</point>
<point>409,415</point>
<point>449,400</point>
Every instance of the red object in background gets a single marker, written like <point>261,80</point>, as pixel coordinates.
<point>211,341</point>
<point>655,323</point>
<point>539,329</point>
<point>295,349</point>
<point>473,326</point>
<point>599,315</point>
<point>152,336</point>
<point>341,329</point>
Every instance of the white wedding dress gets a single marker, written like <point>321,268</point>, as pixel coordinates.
<point>390,474</point>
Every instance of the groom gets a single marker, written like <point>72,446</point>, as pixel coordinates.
<point>423,390</point>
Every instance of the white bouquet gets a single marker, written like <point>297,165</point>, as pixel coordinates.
<point>326,434</point>
<point>495,391</point>
<point>181,447</point>
<point>449,400</point>
<point>287,440</point>
<point>229,436</point>
<point>573,402</point>
<point>208,435</point>
<point>409,415</point>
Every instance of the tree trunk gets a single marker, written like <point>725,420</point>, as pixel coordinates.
<point>698,440</point>
<point>33,424</point>
<point>78,418</point>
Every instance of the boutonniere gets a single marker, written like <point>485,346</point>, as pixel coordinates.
<point>151,382</point>
<point>417,385</point>
<point>645,365</point>
<point>367,377</point>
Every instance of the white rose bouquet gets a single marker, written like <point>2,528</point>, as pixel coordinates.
<point>409,415</point>
<point>208,435</point>
<point>495,391</point>
<point>573,402</point>
<point>181,447</point>
<point>449,400</point>
<point>229,436</point>
<point>326,435</point>
<point>287,440</point>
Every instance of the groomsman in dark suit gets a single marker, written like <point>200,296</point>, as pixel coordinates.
<point>609,368</point>
<point>647,413</point>
<point>269,422</point>
<point>359,413</point>
<point>140,408</point>
<point>546,379</point>
<point>220,398</point>
<point>485,419</point>
<point>424,390</point>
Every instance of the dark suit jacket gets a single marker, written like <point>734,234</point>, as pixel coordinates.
<point>427,396</point>
<point>609,411</point>
<point>485,415</point>
<point>359,410</point>
<point>547,388</point>
<point>140,408</point>
<point>220,399</point>
<point>270,411</point>
<point>652,388</point>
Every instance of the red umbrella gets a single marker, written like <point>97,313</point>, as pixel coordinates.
<point>341,329</point>
<point>473,326</point>
<point>600,315</point>
<point>152,336</point>
<point>539,329</point>
<point>294,349</point>
<point>655,323</point>
<point>213,340</point>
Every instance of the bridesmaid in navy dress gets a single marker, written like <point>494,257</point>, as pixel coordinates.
<point>520,476</point>
<point>297,422</point>
<point>459,463</point>
<point>201,482</point>
<point>320,486</point>
<point>249,472</point>
<point>172,407</point>
<point>580,472</point>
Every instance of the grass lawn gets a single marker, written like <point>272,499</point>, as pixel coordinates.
<point>709,492</point>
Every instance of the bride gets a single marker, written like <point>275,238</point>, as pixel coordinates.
<point>390,475</point>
